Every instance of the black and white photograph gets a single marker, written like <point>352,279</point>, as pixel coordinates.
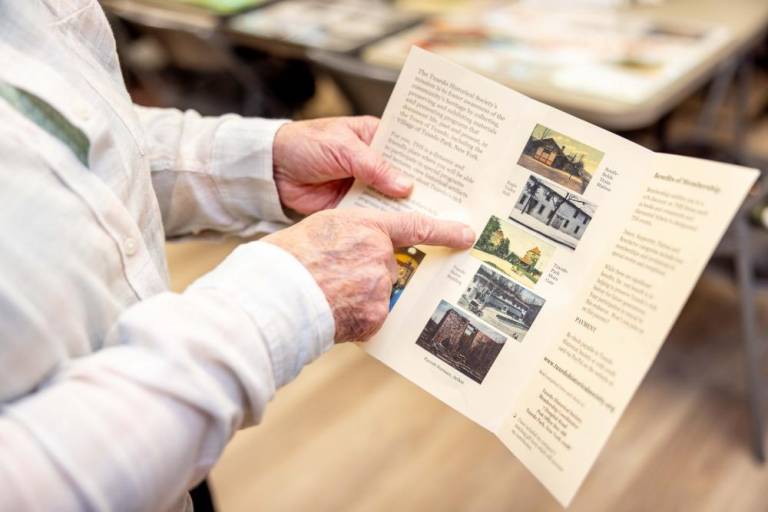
<point>461,341</point>
<point>553,212</point>
<point>501,303</point>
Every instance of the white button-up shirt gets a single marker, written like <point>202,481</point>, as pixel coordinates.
<point>116,394</point>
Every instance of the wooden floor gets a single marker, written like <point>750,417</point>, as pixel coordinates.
<point>351,435</point>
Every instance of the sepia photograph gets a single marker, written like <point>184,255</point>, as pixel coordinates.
<point>560,158</point>
<point>513,251</point>
<point>465,344</point>
<point>408,260</point>
<point>501,303</point>
<point>553,212</point>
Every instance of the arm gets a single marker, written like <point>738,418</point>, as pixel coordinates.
<point>225,174</point>
<point>212,173</point>
<point>133,426</point>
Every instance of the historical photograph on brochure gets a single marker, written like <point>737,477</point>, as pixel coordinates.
<point>408,260</point>
<point>559,158</point>
<point>501,303</point>
<point>466,344</point>
<point>513,251</point>
<point>553,212</point>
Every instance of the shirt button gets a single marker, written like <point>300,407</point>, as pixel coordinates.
<point>130,247</point>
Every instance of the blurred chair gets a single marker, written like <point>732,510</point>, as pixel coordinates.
<point>742,247</point>
<point>192,45</point>
<point>367,87</point>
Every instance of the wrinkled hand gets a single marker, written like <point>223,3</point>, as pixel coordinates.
<point>350,255</point>
<point>316,161</point>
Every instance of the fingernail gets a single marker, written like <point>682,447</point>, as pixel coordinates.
<point>468,235</point>
<point>403,183</point>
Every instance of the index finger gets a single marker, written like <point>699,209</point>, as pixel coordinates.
<point>406,229</point>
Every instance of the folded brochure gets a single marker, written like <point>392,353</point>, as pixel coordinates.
<point>588,246</point>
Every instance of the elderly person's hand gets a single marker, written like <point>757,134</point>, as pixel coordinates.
<point>350,255</point>
<point>315,163</point>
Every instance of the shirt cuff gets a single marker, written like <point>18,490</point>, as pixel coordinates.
<point>283,300</point>
<point>242,156</point>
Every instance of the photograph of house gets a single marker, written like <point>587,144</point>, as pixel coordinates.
<point>465,344</point>
<point>513,251</point>
<point>560,158</point>
<point>408,260</point>
<point>553,212</point>
<point>501,303</point>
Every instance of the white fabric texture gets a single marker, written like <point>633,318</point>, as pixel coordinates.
<point>116,394</point>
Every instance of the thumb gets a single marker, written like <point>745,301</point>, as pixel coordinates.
<point>370,168</point>
<point>406,229</point>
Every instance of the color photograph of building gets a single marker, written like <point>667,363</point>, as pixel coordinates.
<point>553,212</point>
<point>464,343</point>
<point>501,303</point>
<point>408,260</point>
<point>512,251</point>
<point>560,158</point>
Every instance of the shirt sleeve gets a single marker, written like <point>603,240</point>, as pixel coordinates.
<point>133,426</point>
<point>212,173</point>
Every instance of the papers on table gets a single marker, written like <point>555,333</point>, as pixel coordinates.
<point>335,25</point>
<point>593,51</point>
<point>223,7</point>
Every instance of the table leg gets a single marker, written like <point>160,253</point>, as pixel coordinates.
<point>752,352</point>
<point>715,99</point>
<point>741,114</point>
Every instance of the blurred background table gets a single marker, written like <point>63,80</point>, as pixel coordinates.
<point>626,69</point>
<point>622,69</point>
